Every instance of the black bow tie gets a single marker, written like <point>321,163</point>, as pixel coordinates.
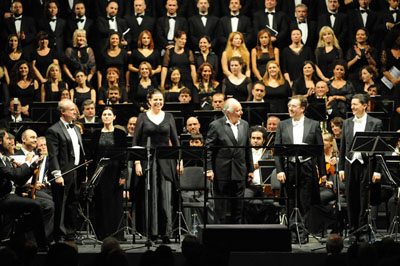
<point>172,17</point>
<point>234,16</point>
<point>111,18</point>
<point>79,20</point>
<point>333,14</point>
<point>53,20</point>
<point>394,11</point>
<point>70,125</point>
<point>139,16</point>
<point>363,11</point>
<point>270,13</point>
<point>17,18</point>
<point>203,16</point>
<point>300,22</point>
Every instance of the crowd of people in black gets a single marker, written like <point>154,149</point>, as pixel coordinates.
<point>204,53</point>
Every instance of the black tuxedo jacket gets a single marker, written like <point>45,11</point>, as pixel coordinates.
<point>312,32</point>
<point>197,30</point>
<point>162,28</point>
<point>56,38</point>
<point>19,175</point>
<point>88,27</point>
<point>28,26</point>
<point>229,163</point>
<point>373,124</point>
<point>311,135</point>
<point>356,22</point>
<point>225,28</point>
<point>148,23</point>
<point>384,17</point>
<point>340,27</point>
<point>103,31</point>
<point>59,144</point>
<point>280,24</point>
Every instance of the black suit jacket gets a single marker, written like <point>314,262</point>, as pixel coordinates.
<point>19,175</point>
<point>162,28</point>
<point>340,27</point>
<point>59,144</point>
<point>103,31</point>
<point>312,32</point>
<point>88,27</point>
<point>311,135</point>
<point>373,124</point>
<point>198,30</point>
<point>56,38</point>
<point>225,28</point>
<point>280,24</point>
<point>355,23</point>
<point>384,17</point>
<point>28,26</point>
<point>229,163</point>
<point>148,23</point>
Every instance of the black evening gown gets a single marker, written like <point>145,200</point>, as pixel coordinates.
<point>53,95</point>
<point>183,62</point>
<point>80,97</point>
<point>120,62</point>
<point>108,193</point>
<point>325,61</point>
<point>240,92</point>
<point>347,91</point>
<point>27,95</point>
<point>162,172</point>
<point>43,62</point>
<point>277,98</point>
<point>292,62</point>
<point>262,63</point>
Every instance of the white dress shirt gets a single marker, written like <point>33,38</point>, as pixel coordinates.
<point>234,127</point>
<point>234,22</point>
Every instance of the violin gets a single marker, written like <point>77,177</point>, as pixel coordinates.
<point>32,187</point>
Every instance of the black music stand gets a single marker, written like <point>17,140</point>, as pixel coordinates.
<point>179,153</point>
<point>372,143</point>
<point>143,154</point>
<point>46,111</point>
<point>296,150</point>
<point>255,112</point>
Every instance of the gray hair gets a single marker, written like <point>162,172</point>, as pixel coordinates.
<point>228,106</point>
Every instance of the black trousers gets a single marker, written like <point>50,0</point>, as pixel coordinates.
<point>357,180</point>
<point>228,188</point>
<point>14,205</point>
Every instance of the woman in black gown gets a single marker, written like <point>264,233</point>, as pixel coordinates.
<point>262,54</point>
<point>82,91</point>
<point>206,55</point>
<point>43,56</point>
<point>160,127</point>
<point>180,56</point>
<point>108,193</point>
<point>142,86</point>
<point>206,85</point>
<point>237,84</point>
<point>51,89</point>
<point>173,85</point>
<point>305,84</point>
<point>11,56</point>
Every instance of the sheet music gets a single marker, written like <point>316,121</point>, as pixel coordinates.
<point>395,73</point>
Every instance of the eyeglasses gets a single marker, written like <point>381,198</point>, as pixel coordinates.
<point>293,106</point>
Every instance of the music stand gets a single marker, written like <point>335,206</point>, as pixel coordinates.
<point>143,154</point>
<point>46,111</point>
<point>372,143</point>
<point>87,197</point>
<point>178,153</point>
<point>296,150</point>
<point>254,112</point>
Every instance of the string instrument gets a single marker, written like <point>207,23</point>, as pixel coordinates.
<point>32,186</point>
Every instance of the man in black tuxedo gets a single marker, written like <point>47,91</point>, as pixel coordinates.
<point>337,20</point>
<point>202,24</point>
<point>21,25</point>
<point>168,24</point>
<point>362,17</point>
<point>299,129</point>
<point>387,19</point>
<point>79,20</point>
<point>54,26</point>
<point>274,21</point>
<point>308,27</point>
<point>229,168</point>
<point>111,23</point>
<point>235,21</point>
<point>139,22</point>
<point>43,192</point>
<point>11,203</point>
<point>353,167</point>
<point>64,143</point>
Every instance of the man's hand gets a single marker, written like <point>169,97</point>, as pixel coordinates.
<point>341,176</point>
<point>40,186</point>
<point>122,181</point>
<point>29,157</point>
<point>281,177</point>
<point>329,184</point>
<point>169,47</point>
<point>376,178</point>
<point>60,181</point>
<point>138,169</point>
<point>250,176</point>
<point>323,179</point>
<point>210,175</point>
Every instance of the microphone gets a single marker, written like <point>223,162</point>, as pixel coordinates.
<point>15,107</point>
<point>148,145</point>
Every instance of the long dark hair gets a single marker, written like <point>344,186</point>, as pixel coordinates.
<point>16,76</point>
<point>19,48</point>
<point>168,82</point>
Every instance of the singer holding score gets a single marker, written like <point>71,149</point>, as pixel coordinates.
<point>157,128</point>
<point>107,143</point>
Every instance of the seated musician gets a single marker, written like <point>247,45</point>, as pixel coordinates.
<point>11,203</point>
<point>43,192</point>
<point>89,112</point>
<point>15,115</point>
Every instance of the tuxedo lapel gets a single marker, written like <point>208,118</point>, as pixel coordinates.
<point>66,134</point>
<point>289,130</point>
<point>307,128</point>
<point>78,133</point>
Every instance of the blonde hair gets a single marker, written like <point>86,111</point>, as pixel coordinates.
<point>50,67</point>
<point>76,33</point>
<point>244,53</point>
<point>281,79</point>
<point>148,66</point>
<point>321,42</point>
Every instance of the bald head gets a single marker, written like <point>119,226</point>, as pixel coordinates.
<point>29,140</point>
<point>193,125</point>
